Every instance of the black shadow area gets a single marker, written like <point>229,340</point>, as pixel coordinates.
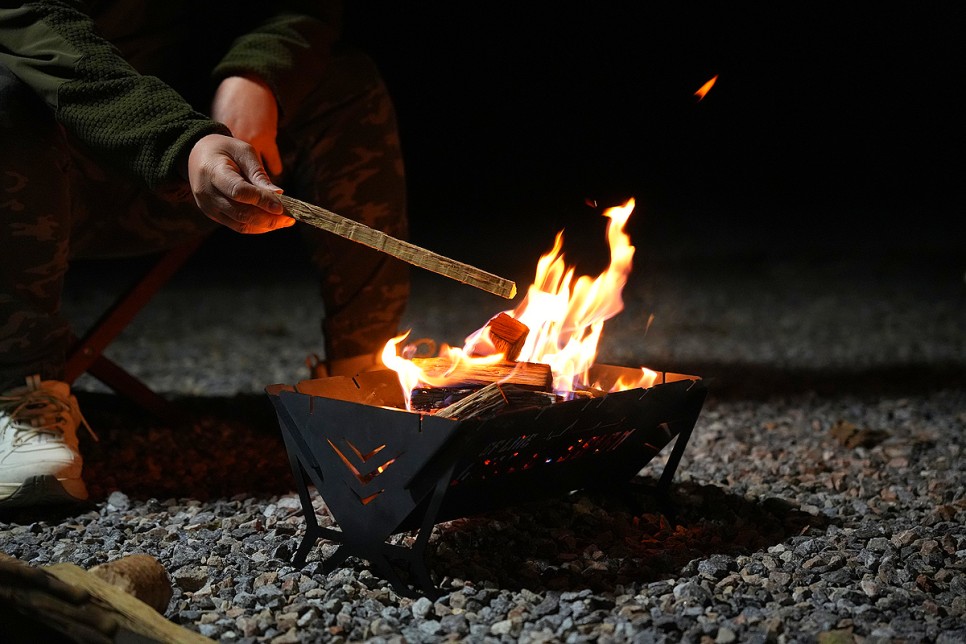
<point>602,540</point>
<point>227,447</point>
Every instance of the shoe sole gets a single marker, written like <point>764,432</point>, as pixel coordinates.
<point>45,490</point>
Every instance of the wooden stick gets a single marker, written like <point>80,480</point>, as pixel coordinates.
<point>415,255</point>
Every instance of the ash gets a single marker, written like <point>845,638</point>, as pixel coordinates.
<point>785,528</point>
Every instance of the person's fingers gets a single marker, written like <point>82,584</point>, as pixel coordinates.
<point>258,190</point>
<point>249,222</point>
<point>231,187</point>
<point>238,190</point>
<point>247,219</point>
<point>241,217</point>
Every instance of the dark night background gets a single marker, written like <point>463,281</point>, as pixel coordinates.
<point>847,121</point>
<point>839,125</point>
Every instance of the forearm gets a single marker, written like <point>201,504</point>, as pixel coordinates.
<point>289,52</point>
<point>134,122</point>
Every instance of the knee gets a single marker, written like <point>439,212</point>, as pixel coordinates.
<point>350,91</point>
<point>354,72</point>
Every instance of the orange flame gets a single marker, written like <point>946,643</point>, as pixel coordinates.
<point>565,316</point>
<point>704,89</point>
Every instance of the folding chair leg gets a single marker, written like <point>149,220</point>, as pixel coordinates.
<point>85,353</point>
<point>125,384</point>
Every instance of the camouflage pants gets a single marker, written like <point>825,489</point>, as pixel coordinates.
<point>340,150</point>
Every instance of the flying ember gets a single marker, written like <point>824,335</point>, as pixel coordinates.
<point>704,89</point>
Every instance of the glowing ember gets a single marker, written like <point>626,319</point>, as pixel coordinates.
<point>704,89</point>
<point>565,316</point>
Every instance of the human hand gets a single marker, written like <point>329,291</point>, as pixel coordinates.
<point>231,187</point>
<point>248,107</point>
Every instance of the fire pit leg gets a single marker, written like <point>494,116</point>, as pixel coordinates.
<point>674,458</point>
<point>312,529</point>
<point>421,583</point>
<point>416,554</point>
<point>685,427</point>
<point>335,560</point>
<point>388,560</point>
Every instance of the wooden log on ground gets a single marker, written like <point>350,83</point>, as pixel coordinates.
<point>66,600</point>
<point>407,252</point>
<point>529,374</point>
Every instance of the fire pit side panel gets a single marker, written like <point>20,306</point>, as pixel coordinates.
<point>360,458</point>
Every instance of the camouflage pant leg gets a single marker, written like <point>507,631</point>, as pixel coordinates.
<point>114,217</point>
<point>342,152</point>
<point>55,205</point>
<point>34,232</point>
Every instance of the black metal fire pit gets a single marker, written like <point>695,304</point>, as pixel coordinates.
<point>382,470</point>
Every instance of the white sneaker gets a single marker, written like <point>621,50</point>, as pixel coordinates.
<point>40,462</point>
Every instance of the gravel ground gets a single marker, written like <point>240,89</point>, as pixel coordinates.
<point>821,497</point>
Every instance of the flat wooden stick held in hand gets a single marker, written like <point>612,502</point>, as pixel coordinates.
<point>350,229</point>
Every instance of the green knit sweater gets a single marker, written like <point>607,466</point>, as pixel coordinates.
<point>132,80</point>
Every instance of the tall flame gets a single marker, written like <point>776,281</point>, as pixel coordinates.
<point>565,316</point>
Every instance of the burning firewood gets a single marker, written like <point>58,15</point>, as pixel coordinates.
<point>495,399</point>
<point>588,392</point>
<point>434,398</point>
<point>528,374</point>
<point>508,335</point>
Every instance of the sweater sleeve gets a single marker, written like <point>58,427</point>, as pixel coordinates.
<point>133,122</point>
<point>289,51</point>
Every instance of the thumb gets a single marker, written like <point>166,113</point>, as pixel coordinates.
<point>251,168</point>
